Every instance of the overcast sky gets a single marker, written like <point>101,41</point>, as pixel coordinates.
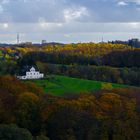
<point>69,20</point>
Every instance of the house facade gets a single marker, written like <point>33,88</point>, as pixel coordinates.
<point>31,74</point>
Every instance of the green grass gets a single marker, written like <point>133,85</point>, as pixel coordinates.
<point>60,85</point>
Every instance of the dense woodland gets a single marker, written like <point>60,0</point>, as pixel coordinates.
<point>27,113</point>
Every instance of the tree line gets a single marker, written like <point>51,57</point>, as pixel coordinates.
<point>127,58</point>
<point>128,76</point>
<point>121,67</point>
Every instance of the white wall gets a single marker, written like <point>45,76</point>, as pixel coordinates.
<point>32,75</point>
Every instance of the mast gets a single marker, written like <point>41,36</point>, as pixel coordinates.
<point>17,38</point>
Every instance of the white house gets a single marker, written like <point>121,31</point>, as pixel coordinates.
<point>31,74</point>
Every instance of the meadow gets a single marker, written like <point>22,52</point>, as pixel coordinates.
<point>60,85</point>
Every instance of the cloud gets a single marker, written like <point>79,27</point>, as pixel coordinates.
<point>29,11</point>
<point>122,3</point>
<point>69,20</point>
<point>72,14</point>
<point>1,9</point>
<point>135,25</point>
<point>132,1</point>
<point>5,25</point>
<point>69,31</point>
<point>5,1</point>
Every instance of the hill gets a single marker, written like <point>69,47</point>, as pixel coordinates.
<point>60,85</point>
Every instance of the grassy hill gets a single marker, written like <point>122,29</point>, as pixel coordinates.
<point>60,85</point>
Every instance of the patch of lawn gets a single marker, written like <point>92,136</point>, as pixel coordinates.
<point>60,85</point>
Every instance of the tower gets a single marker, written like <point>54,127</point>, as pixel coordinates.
<point>44,42</point>
<point>17,38</point>
<point>102,39</point>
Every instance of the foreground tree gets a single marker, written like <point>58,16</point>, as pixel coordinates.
<point>12,132</point>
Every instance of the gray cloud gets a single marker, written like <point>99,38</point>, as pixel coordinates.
<point>54,10</point>
<point>69,32</point>
<point>69,20</point>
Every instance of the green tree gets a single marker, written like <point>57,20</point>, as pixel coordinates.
<point>107,86</point>
<point>12,132</point>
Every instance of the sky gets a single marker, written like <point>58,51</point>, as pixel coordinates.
<point>69,21</point>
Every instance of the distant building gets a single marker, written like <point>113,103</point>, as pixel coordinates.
<point>31,74</point>
<point>26,43</point>
<point>44,42</point>
<point>134,42</point>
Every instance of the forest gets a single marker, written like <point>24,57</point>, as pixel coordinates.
<point>28,113</point>
<point>114,63</point>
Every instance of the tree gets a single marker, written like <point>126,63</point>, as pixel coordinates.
<point>107,86</point>
<point>42,138</point>
<point>27,112</point>
<point>12,132</point>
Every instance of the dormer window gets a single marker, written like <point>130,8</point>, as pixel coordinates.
<point>32,69</point>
